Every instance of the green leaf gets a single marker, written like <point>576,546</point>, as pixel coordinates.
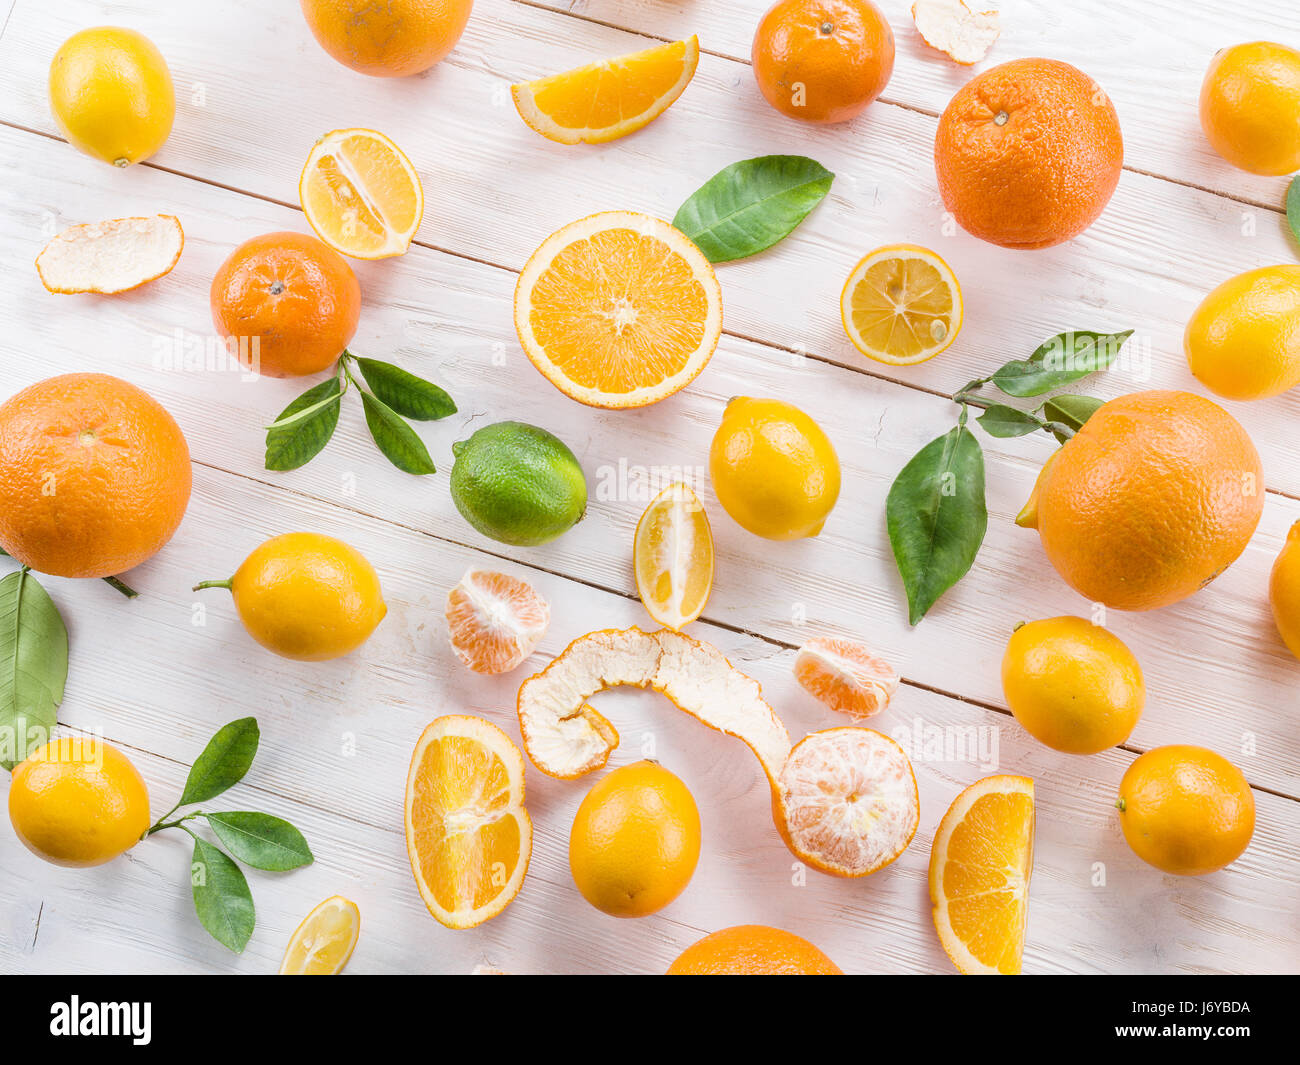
<point>937,517</point>
<point>1293,206</point>
<point>1071,411</point>
<point>221,897</point>
<point>260,840</point>
<point>1003,421</point>
<point>304,427</point>
<point>408,395</point>
<point>1065,358</point>
<point>752,204</point>
<point>33,665</point>
<point>224,761</point>
<point>400,443</point>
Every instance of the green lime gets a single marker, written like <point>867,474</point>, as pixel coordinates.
<point>518,484</point>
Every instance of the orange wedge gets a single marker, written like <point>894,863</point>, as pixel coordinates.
<point>494,620</point>
<point>980,864</point>
<point>618,310</point>
<point>361,194</point>
<point>609,99</point>
<point>468,835</point>
<point>901,305</point>
<point>845,676</point>
<point>111,257</point>
<point>673,557</point>
<point>324,942</point>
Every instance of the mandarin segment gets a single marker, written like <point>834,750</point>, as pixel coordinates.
<point>845,676</point>
<point>494,620</point>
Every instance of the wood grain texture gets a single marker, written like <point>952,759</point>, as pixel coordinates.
<point>337,736</point>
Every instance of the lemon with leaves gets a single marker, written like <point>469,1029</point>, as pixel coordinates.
<point>111,94</point>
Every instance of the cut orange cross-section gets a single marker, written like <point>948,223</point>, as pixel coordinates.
<point>494,620</point>
<point>618,310</point>
<point>361,194</point>
<point>980,865</point>
<point>901,305</point>
<point>673,556</point>
<point>609,99</point>
<point>468,835</point>
<point>324,942</point>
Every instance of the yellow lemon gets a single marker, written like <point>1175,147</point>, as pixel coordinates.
<point>1073,685</point>
<point>306,596</point>
<point>111,94</point>
<point>774,469</point>
<point>635,840</point>
<point>78,801</point>
<point>1284,591</point>
<point>1249,102</point>
<point>1243,341</point>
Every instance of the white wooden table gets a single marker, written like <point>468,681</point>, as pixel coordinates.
<point>254,91</point>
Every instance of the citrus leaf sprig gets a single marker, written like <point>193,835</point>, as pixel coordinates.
<point>935,512</point>
<point>33,665</point>
<point>222,898</point>
<point>305,426</point>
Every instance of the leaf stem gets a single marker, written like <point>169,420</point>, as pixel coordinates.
<point>213,584</point>
<point>121,586</point>
<point>162,822</point>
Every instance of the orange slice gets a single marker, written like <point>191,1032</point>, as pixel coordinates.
<point>847,801</point>
<point>609,99</point>
<point>468,835</point>
<point>494,620</point>
<point>901,305</point>
<point>845,676</point>
<point>324,942</point>
<point>844,800</point>
<point>673,556</point>
<point>110,257</point>
<point>980,864</point>
<point>361,194</point>
<point>618,310</point>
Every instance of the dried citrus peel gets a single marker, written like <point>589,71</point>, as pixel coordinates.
<point>111,257</point>
<point>965,36</point>
<point>844,800</point>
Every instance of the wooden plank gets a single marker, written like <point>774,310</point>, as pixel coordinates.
<point>336,739</point>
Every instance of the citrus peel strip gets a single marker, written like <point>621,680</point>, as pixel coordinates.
<point>844,800</point>
<point>113,256</point>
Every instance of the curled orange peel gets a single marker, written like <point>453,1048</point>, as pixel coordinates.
<point>844,800</point>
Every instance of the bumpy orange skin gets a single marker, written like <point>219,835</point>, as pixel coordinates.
<point>94,476</point>
<point>1153,498</point>
<point>78,802</point>
<point>1186,810</point>
<point>295,295</point>
<point>388,39</point>
<point>822,61</point>
<point>1028,153</point>
<point>753,950</point>
<point>1249,102</point>
<point>1284,591</point>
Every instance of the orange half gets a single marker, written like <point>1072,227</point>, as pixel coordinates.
<point>608,99</point>
<point>673,556</point>
<point>468,835</point>
<point>980,865</point>
<point>618,309</point>
<point>361,194</point>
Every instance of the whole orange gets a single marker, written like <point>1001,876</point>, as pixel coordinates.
<point>1028,153</point>
<point>753,950</point>
<point>1186,809</point>
<point>389,39</point>
<point>822,60</point>
<point>1249,102</point>
<point>286,303</point>
<point>1153,498</point>
<point>94,475</point>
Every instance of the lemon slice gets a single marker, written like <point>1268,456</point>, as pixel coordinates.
<point>361,194</point>
<point>673,554</point>
<point>901,305</point>
<point>324,942</point>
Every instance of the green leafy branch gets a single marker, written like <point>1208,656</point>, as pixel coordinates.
<point>936,512</point>
<point>222,898</point>
<point>305,426</point>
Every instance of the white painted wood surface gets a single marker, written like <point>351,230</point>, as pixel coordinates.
<point>254,90</point>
